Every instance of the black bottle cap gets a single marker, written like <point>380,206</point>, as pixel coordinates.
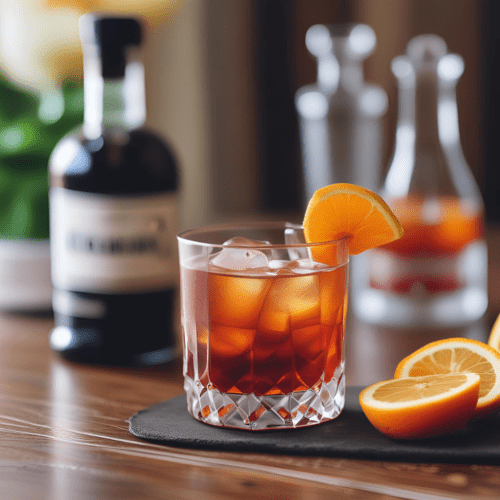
<point>112,35</point>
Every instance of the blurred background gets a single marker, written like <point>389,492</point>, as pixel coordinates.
<point>221,76</point>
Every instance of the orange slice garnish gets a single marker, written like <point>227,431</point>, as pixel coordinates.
<point>421,407</point>
<point>459,355</point>
<point>341,210</point>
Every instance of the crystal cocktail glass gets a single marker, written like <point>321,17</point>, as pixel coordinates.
<point>263,326</point>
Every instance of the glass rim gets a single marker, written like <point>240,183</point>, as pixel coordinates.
<point>182,236</point>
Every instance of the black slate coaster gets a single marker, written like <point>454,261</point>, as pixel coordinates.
<point>350,435</point>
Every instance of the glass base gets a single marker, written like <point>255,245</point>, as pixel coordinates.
<point>281,411</point>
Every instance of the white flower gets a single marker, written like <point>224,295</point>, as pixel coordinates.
<point>39,39</point>
<point>38,46</point>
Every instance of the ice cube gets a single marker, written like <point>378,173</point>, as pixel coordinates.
<point>277,264</point>
<point>306,266</point>
<point>239,259</point>
<point>291,303</point>
<point>296,237</point>
<point>245,242</point>
<point>280,267</point>
<point>236,300</point>
<point>299,266</point>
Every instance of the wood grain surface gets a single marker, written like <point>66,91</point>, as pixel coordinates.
<point>64,432</point>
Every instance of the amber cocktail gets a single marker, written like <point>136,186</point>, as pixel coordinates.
<point>263,326</point>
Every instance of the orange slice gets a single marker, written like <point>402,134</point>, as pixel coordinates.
<point>494,339</point>
<point>421,407</point>
<point>341,210</point>
<point>459,355</point>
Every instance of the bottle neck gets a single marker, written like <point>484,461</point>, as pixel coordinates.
<point>112,103</point>
<point>428,161</point>
<point>351,73</point>
<point>418,164</point>
<point>426,113</point>
<point>344,74</point>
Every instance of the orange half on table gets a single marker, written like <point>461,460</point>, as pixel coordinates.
<point>459,355</point>
<point>421,407</point>
<point>347,210</point>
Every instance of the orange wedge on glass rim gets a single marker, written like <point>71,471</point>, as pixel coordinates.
<point>421,407</point>
<point>459,355</point>
<point>347,210</point>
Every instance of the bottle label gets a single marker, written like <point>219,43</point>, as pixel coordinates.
<point>113,244</point>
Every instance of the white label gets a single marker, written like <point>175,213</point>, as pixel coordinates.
<point>113,244</point>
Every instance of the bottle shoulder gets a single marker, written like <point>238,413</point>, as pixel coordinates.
<point>138,161</point>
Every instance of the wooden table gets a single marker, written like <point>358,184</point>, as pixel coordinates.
<point>64,433</point>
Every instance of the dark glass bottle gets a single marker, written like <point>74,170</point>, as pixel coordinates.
<point>113,214</point>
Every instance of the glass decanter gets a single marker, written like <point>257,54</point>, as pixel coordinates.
<point>436,274</point>
<point>340,114</point>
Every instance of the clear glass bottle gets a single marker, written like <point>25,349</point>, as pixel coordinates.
<point>113,213</point>
<point>340,114</point>
<point>435,275</point>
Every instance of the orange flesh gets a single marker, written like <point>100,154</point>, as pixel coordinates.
<point>343,210</point>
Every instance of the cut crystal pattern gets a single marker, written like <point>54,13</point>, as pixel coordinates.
<point>247,411</point>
